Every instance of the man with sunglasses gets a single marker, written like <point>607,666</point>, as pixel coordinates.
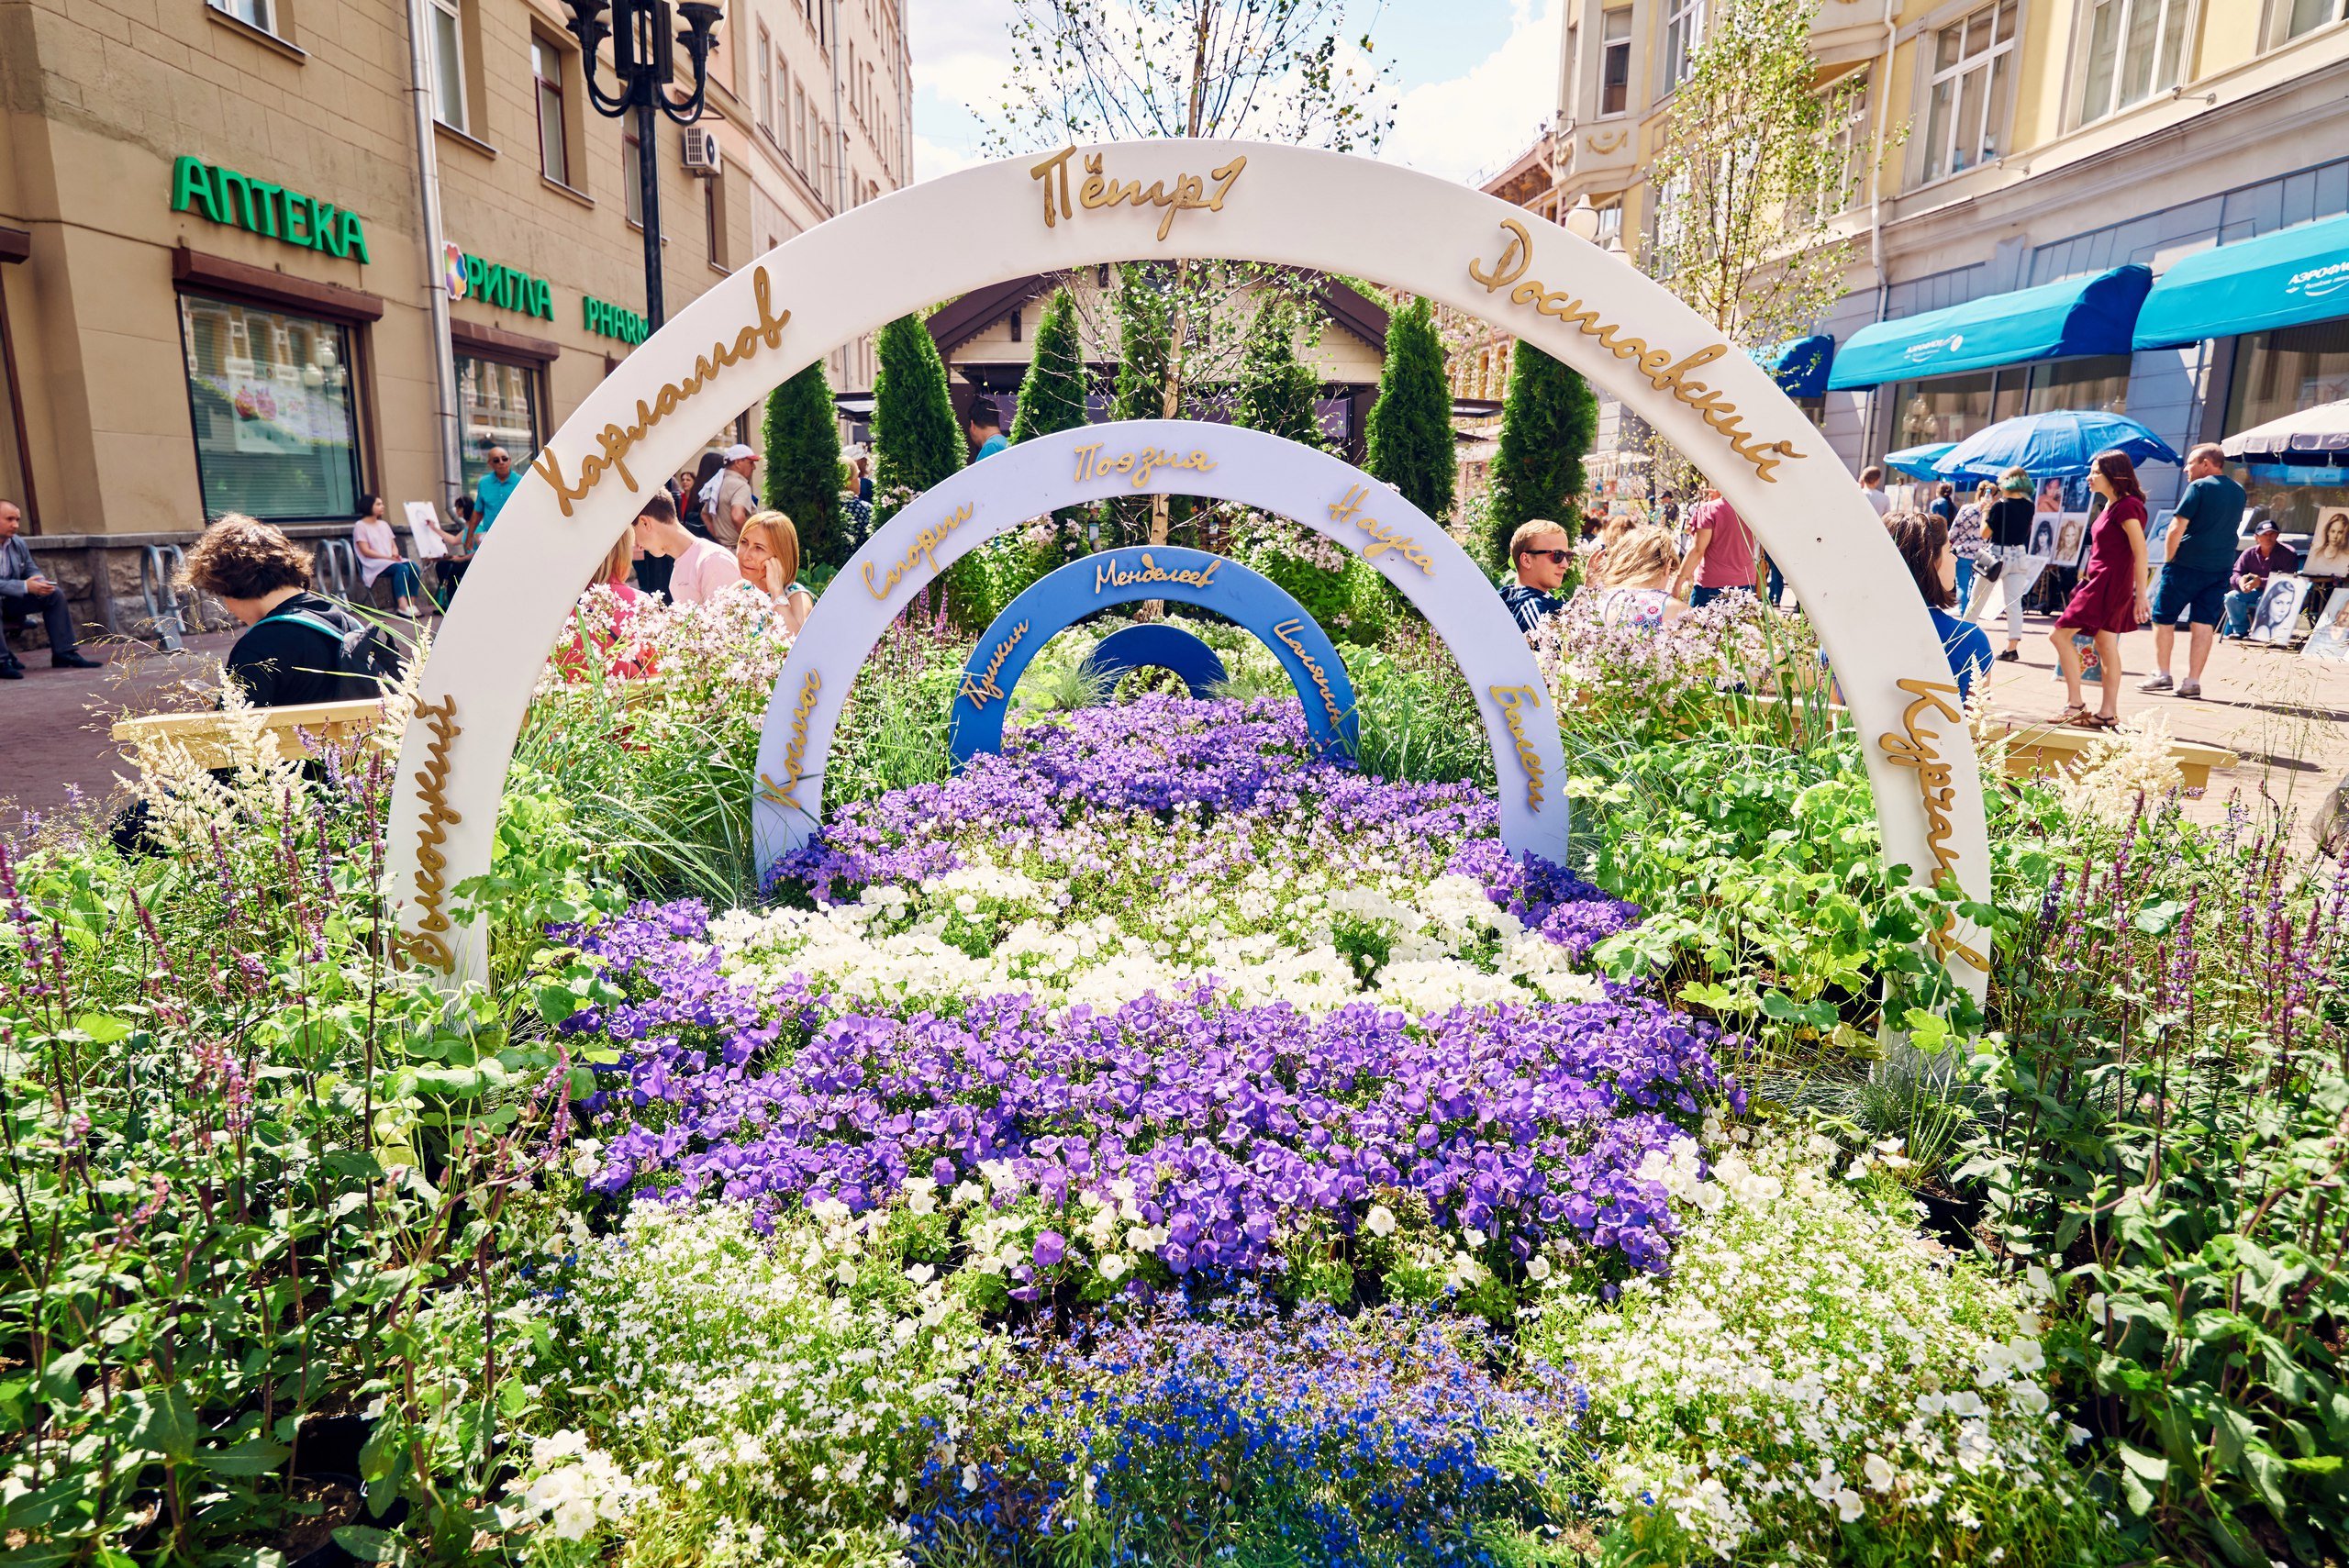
<point>1541,552</point>
<point>495,488</point>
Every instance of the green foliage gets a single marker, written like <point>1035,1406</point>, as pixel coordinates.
<point>1145,302</point>
<point>2163,1137</point>
<point>893,729</point>
<point>1278,391</point>
<point>917,443</point>
<point>1051,399</point>
<point>244,1152</point>
<point>1411,444</point>
<point>1547,423</point>
<point>1417,719</point>
<point>805,474</point>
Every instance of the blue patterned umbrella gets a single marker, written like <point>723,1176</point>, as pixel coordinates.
<point>2051,445</point>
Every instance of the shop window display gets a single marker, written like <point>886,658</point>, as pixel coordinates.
<point>270,395</point>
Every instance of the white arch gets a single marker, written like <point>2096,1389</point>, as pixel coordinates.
<point>1280,205</point>
<point>1224,462</point>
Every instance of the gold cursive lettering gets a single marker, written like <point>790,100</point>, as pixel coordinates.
<point>1100,189</point>
<point>1348,509</point>
<point>1142,463</point>
<point>614,441</point>
<point>794,754</point>
<point>429,943</point>
<point>1516,259</point>
<point>923,549</point>
<point>1936,783</point>
<point>1513,699</point>
<point>1286,632</point>
<point>1109,573</point>
<point>981,688</point>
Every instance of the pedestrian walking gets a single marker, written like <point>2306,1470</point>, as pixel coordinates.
<point>2114,595</point>
<point>2005,531</point>
<point>735,501</point>
<point>2199,552</point>
<point>1720,553</point>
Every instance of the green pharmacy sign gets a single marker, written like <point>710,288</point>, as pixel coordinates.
<point>259,208</point>
<point>503,288</point>
<point>611,321</point>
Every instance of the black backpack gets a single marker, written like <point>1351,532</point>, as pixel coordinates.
<point>368,657</point>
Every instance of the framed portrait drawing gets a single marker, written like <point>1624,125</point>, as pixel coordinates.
<point>2328,544</point>
<point>2071,538</point>
<point>2330,638</point>
<point>2278,610</point>
<point>2042,537</point>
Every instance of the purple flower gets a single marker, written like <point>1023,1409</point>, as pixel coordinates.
<point>1051,1247</point>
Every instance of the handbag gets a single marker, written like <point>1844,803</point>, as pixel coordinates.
<point>1988,565</point>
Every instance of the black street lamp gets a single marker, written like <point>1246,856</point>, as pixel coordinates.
<point>644,63</point>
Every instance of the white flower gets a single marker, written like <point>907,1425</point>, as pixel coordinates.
<point>1849,1505</point>
<point>1380,1221</point>
<point>1879,1471</point>
<point>969,1478</point>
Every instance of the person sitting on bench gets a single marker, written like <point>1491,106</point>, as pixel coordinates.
<point>294,653</point>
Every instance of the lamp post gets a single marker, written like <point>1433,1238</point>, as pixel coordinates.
<point>644,63</point>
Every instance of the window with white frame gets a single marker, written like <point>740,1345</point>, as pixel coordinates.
<point>800,124</point>
<point>261,13</point>
<point>448,63</point>
<point>1615,60</point>
<point>2136,49</point>
<point>1972,92</point>
<point>766,80</point>
<point>1844,177</point>
<point>1684,29</point>
<point>1610,219</point>
<point>781,101</point>
<point>2293,17</point>
<point>555,149</point>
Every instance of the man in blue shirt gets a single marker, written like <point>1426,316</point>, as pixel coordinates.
<point>2199,552</point>
<point>986,429</point>
<point>494,487</point>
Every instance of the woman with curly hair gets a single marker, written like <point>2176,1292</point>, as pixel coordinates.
<point>294,653</point>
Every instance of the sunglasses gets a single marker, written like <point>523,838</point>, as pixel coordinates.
<point>1554,557</point>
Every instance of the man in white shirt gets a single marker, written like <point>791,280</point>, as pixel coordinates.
<point>735,500</point>
<point>1872,486</point>
<point>703,570</point>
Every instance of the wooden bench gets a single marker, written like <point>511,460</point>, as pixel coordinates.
<point>2036,748</point>
<point>296,730</point>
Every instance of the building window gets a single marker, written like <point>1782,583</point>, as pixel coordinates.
<point>1615,61</point>
<point>1610,219</point>
<point>631,181</point>
<point>261,13</point>
<point>448,63</point>
<point>1848,149</point>
<point>1684,29</point>
<point>800,124</point>
<point>554,154</point>
<point>1965,117</point>
<point>766,80</point>
<point>781,123</point>
<point>270,395</point>
<point>2100,381</point>
<point>2135,48</point>
<point>713,207</point>
<point>2294,17</point>
<point>499,402</point>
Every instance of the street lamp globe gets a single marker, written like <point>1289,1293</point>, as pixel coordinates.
<point>1582,219</point>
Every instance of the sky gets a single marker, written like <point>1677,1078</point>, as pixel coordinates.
<point>1474,79</point>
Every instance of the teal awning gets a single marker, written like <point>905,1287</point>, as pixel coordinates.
<point>2277,280</point>
<point>1800,364</point>
<point>2053,321</point>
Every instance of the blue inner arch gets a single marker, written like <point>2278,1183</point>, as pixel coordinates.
<point>1062,598</point>
<point>1155,645</point>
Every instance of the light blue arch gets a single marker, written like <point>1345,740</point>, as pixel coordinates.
<point>1245,597</point>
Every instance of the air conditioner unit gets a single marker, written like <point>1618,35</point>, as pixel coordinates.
<point>702,156</point>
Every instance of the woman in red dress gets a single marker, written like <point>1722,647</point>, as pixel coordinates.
<point>2112,594</point>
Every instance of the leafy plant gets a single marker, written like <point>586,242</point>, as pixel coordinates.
<point>1409,428</point>
<point>805,474</point>
<point>1547,423</point>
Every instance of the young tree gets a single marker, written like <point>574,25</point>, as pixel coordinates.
<point>1277,392</point>
<point>1547,423</point>
<point>805,474</point>
<point>917,439</point>
<point>1146,326</point>
<point>1053,398</point>
<point>918,442</point>
<point>1755,168</point>
<point>1409,431</point>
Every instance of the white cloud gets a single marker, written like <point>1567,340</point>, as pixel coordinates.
<point>932,160</point>
<point>1472,123</point>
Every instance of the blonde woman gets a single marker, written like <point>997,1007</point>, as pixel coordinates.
<point>768,553</point>
<point>1640,568</point>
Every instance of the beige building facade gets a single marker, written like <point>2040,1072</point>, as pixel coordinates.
<point>1999,146</point>
<point>215,286</point>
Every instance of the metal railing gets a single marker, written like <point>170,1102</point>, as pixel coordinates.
<point>158,571</point>
<point>336,566</point>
